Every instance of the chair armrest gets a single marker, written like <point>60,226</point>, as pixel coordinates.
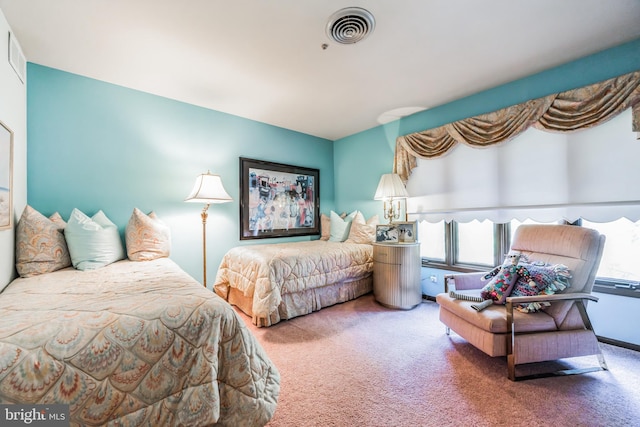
<point>464,281</point>
<point>551,298</point>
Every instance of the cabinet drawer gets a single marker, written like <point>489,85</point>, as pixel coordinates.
<point>387,254</point>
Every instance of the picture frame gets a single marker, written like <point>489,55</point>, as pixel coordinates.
<point>386,233</point>
<point>407,231</point>
<point>278,200</point>
<point>6,177</point>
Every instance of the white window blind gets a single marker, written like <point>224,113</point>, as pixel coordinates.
<point>542,176</point>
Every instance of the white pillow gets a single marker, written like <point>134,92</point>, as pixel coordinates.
<point>93,242</point>
<point>340,227</point>
<point>363,231</point>
<point>147,237</point>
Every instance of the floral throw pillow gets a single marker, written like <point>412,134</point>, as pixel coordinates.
<point>40,243</point>
<point>502,281</point>
<point>147,237</point>
<point>538,278</point>
<point>503,278</point>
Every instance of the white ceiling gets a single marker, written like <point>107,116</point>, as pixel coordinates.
<point>262,59</point>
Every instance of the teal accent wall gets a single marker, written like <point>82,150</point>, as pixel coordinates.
<point>360,160</point>
<point>94,145</point>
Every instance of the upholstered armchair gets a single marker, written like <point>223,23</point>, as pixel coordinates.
<point>560,330</point>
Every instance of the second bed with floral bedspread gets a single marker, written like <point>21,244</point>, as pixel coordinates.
<point>273,282</point>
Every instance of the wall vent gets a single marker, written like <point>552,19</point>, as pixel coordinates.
<point>17,59</point>
<point>350,25</point>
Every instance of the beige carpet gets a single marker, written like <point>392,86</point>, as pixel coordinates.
<point>360,364</point>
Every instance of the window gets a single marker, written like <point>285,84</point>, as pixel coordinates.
<point>476,245</point>
<point>435,235</point>
<point>619,267</point>
<point>456,246</point>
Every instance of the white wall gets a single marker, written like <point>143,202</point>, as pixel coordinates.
<point>624,313</point>
<point>13,113</point>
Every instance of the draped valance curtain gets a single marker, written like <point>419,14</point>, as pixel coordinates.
<point>563,112</point>
<point>460,185</point>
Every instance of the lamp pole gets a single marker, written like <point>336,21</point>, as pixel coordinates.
<point>204,216</point>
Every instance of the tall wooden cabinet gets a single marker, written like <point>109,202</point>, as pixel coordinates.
<point>396,275</point>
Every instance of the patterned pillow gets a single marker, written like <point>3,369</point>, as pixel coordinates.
<point>538,278</point>
<point>147,237</point>
<point>503,279</point>
<point>40,243</point>
<point>363,231</point>
<point>325,227</point>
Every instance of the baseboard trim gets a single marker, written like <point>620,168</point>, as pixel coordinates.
<point>618,343</point>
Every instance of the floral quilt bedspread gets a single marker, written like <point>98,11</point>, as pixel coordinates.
<point>267,271</point>
<point>133,343</point>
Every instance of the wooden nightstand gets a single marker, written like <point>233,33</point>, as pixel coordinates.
<point>396,275</point>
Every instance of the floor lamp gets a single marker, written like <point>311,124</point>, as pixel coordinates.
<point>208,189</point>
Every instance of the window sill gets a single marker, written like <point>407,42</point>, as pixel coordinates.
<point>620,289</point>
<point>616,290</point>
<point>455,268</point>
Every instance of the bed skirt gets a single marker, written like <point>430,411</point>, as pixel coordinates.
<point>304,302</point>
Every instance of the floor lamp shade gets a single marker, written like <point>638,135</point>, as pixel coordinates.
<point>207,189</point>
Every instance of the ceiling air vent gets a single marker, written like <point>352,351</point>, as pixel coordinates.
<point>350,25</point>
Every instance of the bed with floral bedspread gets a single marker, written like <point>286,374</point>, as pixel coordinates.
<point>272,282</point>
<point>132,343</point>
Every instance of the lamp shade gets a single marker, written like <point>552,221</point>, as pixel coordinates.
<point>391,187</point>
<point>208,189</point>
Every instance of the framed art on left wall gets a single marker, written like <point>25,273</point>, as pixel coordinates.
<point>6,177</point>
<point>278,200</point>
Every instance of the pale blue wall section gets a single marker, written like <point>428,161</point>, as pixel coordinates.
<point>360,159</point>
<point>360,162</point>
<point>94,145</point>
<point>623,309</point>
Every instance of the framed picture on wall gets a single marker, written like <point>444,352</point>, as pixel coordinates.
<point>6,177</point>
<point>278,200</point>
